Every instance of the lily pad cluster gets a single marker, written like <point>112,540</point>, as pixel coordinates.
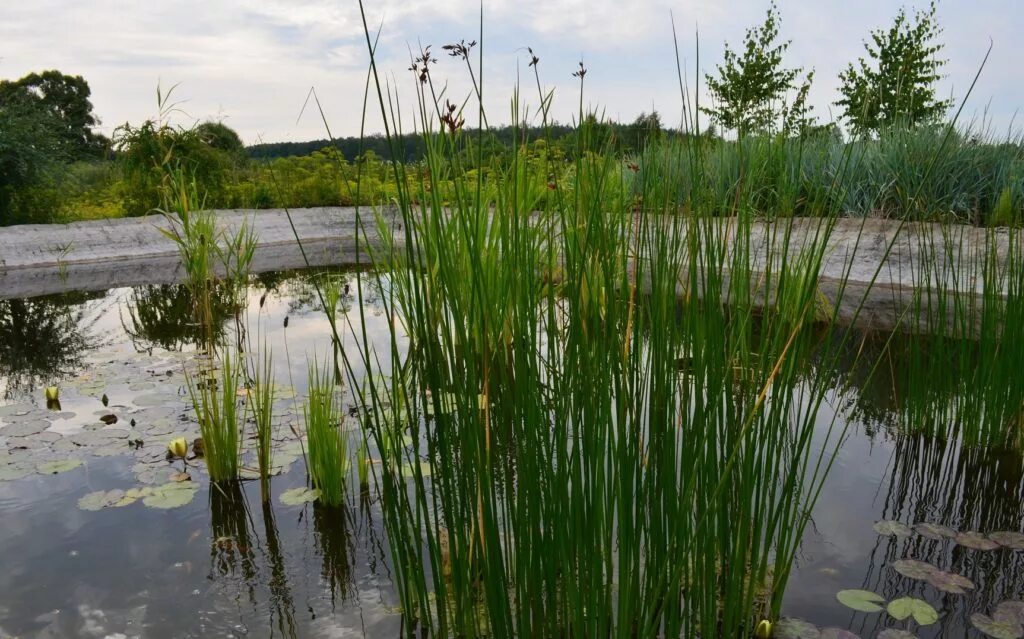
<point>901,609</point>
<point>948,582</point>
<point>968,539</point>
<point>170,495</point>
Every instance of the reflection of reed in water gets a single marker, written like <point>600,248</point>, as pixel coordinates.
<point>968,489</point>
<point>334,539</point>
<point>231,549</point>
<point>233,554</point>
<point>282,606</point>
<point>163,316</point>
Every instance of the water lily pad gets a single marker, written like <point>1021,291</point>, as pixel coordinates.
<point>299,496</point>
<point>20,470</point>
<point>862,600</point>
<point>934,531</point>
<point>976,541</point>
<point>896,633</point>
<point>1008,539</point>
<point>789,628</point>
<point>913,568</point>
<point>1009,612</point>
<point>892,528</point>
<point>100,499</point>
<point>837,633</point>
<point>997,629</point>
<point>171,495</point>
<point>922,611</point>
<point>408,470</point>
<point>950,582</point>
<point>23,429</point>
<point>60,466</point>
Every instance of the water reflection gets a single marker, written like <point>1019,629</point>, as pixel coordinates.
<point>332,530</point>
<point>234,557</point>
<point>44,339</point>
<point>968,489</point>
<point>163,316</point>
<point>282,606</point>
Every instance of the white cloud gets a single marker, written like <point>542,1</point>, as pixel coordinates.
<point>253,61</point>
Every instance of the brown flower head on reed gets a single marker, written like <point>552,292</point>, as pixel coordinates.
<point>451,118</point>
<point>421,64</point>
<point>460,50</point>
<point>579,73</point>
<point>533,57</point>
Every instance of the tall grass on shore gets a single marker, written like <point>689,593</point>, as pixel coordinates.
<point>978,179</point>
<point>607,428</point>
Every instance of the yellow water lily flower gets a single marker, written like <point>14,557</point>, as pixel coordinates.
<point>178,447</point>
<point>52,393</point>
<point>763,629</point>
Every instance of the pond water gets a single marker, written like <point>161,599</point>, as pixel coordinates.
<point>81,556</point>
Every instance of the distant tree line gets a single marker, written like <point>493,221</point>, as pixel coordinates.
<point>619,138</point>
<point>51,153</point>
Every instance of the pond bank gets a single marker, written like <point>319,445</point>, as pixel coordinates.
<point>40,259</point>
<point>102,254</point>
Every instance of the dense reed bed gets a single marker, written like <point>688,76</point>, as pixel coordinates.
<point>602,425</point>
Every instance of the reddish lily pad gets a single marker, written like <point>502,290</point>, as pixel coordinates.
<point>997,629</point>
<point>950,582</point>
<point>976,541</point>
<point>837,633</point>
<point>895,633</point>
<point>892,528</point>
<point>790,628</point>
<point>934,531</point>
<point>914,569</point>
<point>1009,611</point>
<point>1008,539</point>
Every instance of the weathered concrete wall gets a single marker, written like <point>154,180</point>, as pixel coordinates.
<point>39,259</point>
<point>97,255</point>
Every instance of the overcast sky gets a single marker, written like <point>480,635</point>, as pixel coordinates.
<point>251,63</point>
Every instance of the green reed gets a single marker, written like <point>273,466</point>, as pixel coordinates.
<point>957,372</point>
<point>328,455</point>
<point>221,421</point>
<point>261,401</point>
<point>605,414</point>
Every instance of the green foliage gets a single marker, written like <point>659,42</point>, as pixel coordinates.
<point>147,153</point>
<point>896,84</point>
<point>328,445</point>
<point>220,420</point>
<point>63,101</point>
<point>753,92</point>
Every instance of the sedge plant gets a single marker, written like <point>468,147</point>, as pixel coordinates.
<point>328,454</point>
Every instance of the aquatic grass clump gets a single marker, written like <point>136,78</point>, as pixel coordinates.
<point>215,401</point>
<point>261,402</point>
<point>604,406</point>
<point>328,455</point>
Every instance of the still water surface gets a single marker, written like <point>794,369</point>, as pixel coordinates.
<point>224,565</point>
